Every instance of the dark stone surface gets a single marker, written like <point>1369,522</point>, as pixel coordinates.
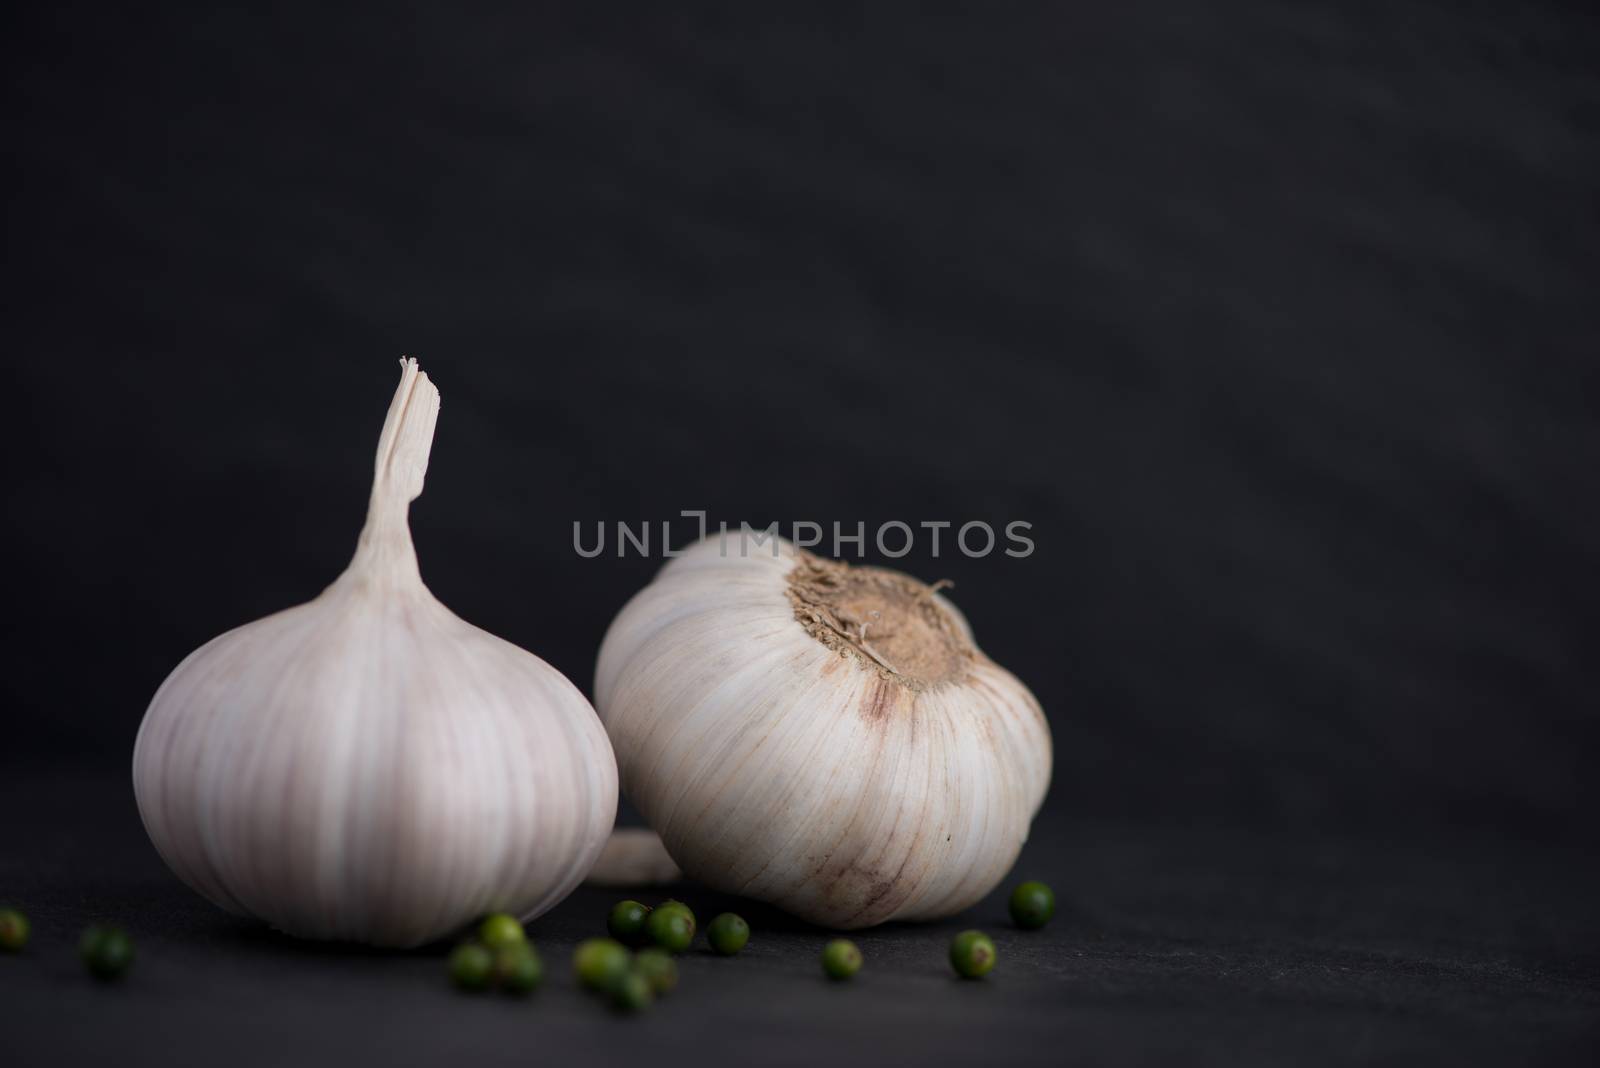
<point>1175,946</point>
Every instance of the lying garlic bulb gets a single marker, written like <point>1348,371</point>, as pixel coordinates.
<point>633,857</point>
<point>824,738</point>
<point>367,766</point>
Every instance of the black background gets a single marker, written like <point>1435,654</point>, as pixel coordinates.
<point>1277,323</point>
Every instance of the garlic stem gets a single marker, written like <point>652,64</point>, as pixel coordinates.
<point>385,551</point>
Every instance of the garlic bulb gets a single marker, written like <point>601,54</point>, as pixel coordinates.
<point>633,857</point>
<point>368,766</point>
<point>824,738</point>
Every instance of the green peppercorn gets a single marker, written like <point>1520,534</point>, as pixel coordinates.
<point>471,966</point>
<point>972,954</point>
<point>599,961</point>
<point>841,959</point>
<point>671,926</point>
<point>106,951</point>
<point>517,969</point>
<point>658,968</point>
<point>1032,905</point>
<point>627,920</point>
<point>630,992</point>
<point>499,930</point>
<point>13,930</point>
<point>728,934</point>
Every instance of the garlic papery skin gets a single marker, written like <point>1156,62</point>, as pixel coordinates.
<point>369,767</point>
<point>823,738</point>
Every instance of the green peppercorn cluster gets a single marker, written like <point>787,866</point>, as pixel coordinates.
<point>633,978</point>
<point>500,957</point>
<point>632,968</point>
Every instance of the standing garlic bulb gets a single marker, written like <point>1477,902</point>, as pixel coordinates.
<point>824,738</point>
<point>367,766</point>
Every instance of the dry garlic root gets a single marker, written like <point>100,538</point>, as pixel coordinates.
<point>825,738</point>
<point>368,766</point>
